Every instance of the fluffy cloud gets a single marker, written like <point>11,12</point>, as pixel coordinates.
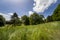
<point>10,13</point>
<point>42,5</point>
<point>30,13</point>
<point>6,16</point>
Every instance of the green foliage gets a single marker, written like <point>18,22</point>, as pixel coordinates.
<point>2,20</point>
<point>56,14</point>
<point>35,19</point>
<point>25,20</point>
<point>49,19</point>
<point>15,20</point>
<point>41,19</point>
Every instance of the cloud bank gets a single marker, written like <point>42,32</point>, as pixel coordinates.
<point>7,16</point>
<point>42,5</point>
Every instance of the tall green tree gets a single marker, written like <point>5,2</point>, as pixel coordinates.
<point>2,20</point>
<point>56,14</point>
<point>15,19</point>
<point>25,20</point>
<point>49,19</point>
<point>41,19</point>
<point>35,19</point>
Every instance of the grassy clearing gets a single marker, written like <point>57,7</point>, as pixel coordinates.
<point>47,31</point>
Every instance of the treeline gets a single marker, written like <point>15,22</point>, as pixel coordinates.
<point>33,19</point>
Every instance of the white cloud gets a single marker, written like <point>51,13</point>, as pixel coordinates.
<point>10,13</point>
<point>30,13</point>
<point>42,5</point>
<point>19,16</point>
<point>6,16</point>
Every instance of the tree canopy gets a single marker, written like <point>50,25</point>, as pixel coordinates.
<point>56,14</point>
<point>25,20</point>
<point>2,20</point>
<point>35,19</point>
<point>15,19</point>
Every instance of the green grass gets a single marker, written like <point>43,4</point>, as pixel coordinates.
<point>47,31</point>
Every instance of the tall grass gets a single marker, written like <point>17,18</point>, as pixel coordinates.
<point>47,31</point>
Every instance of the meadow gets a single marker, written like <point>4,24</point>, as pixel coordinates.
<point>46,31</point>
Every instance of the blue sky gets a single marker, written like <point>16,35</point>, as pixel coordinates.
<point>27,7</point>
